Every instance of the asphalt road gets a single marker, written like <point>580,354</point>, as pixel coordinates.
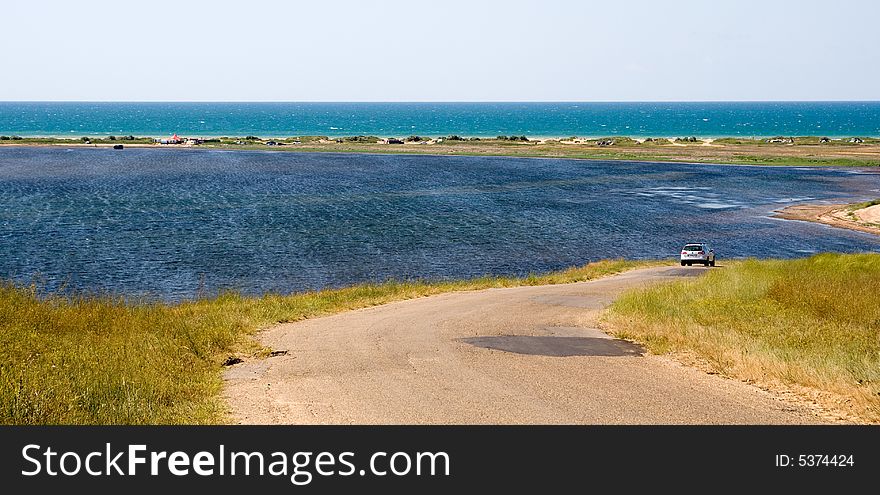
<point>525,355</point>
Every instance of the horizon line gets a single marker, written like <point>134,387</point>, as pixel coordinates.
<point>441,101</point>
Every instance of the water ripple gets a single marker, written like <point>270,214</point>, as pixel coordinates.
<point>168,224</point>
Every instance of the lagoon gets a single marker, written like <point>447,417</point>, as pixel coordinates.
<point>173,224</point>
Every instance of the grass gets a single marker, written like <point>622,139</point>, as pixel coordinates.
<point>102,360</point>
<point>866,204</point>
<point>811,323</point>
<point>806,151</point>
<point>853,208</point>
<point>691,153</point>
<point>802,161</point>
<point>797,140</point>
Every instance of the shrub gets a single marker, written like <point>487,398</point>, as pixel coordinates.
<point>359,139</point>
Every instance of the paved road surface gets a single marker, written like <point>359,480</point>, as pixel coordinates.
<point>497,356</point>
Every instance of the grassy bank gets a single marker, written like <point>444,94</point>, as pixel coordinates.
<point>805,323</point>
<point>852,214</point>
<point>851,209</point>
<point>860,206</point>
<point>98,360</point>
<point>802,151</point>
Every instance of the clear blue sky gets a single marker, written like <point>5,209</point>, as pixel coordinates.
<point>450,50</point>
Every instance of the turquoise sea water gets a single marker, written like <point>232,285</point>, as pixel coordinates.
<point>832,119</point>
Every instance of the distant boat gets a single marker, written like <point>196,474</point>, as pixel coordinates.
<point>117,146</point>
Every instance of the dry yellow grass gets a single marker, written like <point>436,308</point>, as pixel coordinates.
<point>807,151</point>
<point>812,323</point>
<point>99,360</point>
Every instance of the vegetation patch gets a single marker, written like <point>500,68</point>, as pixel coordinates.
<point>105,360</point>
<point>811,322</point>
<point>866,204</point>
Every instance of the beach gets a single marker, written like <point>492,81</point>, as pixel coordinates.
<point>803,151</point>
<point>846,216</point>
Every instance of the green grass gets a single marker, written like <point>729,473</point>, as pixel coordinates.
<point>617,140</point>
<point>811,323</point>
<point>866,204</point>
<point>527,150</point>
<point>100,360</point>
<point>796,161</point>
<point>624,148</point>
<point>853,208</point>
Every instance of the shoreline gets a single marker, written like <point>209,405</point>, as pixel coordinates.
<point>229,330</point>
<point>842,216</point>
<point>533,137</point>
<point>804,152</point>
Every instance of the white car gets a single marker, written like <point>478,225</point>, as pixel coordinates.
<point>697,252</point>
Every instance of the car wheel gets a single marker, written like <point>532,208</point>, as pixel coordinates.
<point>682,263</point>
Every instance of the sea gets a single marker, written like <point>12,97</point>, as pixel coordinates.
<point>709,119</point>
<point>174,224</point>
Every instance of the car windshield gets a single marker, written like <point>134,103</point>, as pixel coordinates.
<point>693,247</point>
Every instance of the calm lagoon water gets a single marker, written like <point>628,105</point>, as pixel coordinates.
<point>170,223</point>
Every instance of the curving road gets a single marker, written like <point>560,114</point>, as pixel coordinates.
<point>498,356</point>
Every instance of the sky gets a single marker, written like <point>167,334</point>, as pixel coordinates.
<point>549,50</point>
